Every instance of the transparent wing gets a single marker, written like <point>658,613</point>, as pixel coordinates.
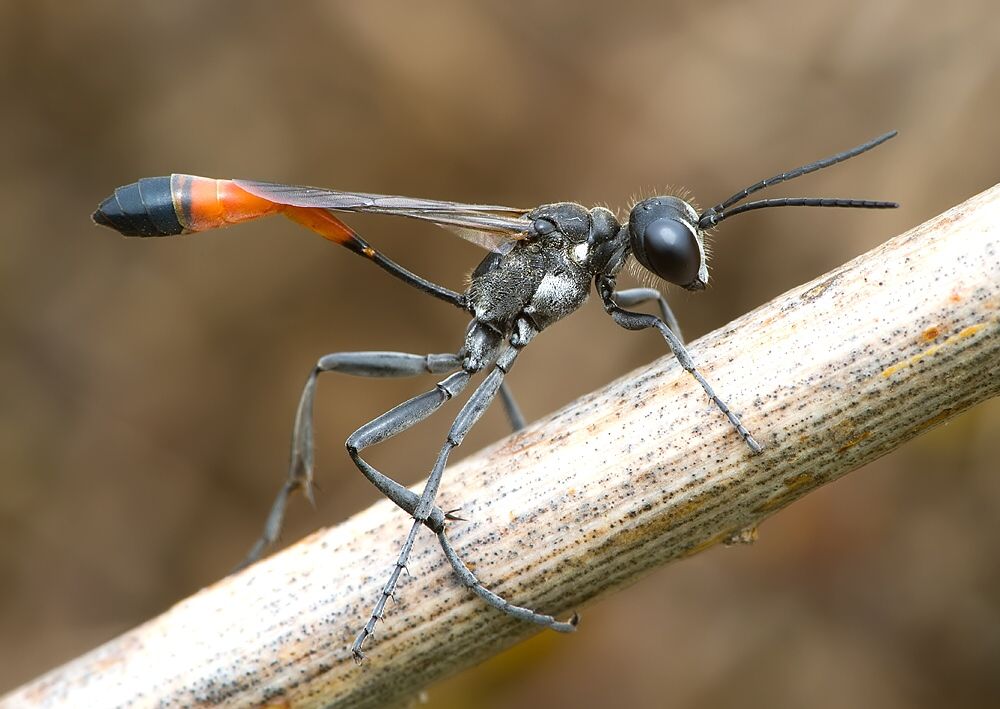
<point>488,225</point>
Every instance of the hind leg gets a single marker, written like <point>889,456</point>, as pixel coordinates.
<point>300,469</point>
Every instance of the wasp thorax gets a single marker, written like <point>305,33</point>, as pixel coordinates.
<point>664,235</point>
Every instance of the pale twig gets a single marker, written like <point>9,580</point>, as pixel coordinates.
<point>828,377</point>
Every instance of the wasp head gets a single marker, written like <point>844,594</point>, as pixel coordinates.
<point>666,240</point>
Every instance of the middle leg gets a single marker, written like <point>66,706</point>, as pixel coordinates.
<point>426,513</point>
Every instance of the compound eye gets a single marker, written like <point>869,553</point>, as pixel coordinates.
<point>668,248</point>
<point>543,226</point>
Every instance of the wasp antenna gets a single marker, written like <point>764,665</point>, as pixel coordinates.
<point>802,202</point>
<point>713,216</point>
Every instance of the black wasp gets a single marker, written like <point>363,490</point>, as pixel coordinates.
<point>539,270</point>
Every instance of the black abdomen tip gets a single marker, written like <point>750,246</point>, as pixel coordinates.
<point>144,208</point>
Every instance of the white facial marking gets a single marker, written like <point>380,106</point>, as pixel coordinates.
<point>579,253</point>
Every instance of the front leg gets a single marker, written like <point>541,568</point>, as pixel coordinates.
<point>640,321</point>
<point>638,296</point>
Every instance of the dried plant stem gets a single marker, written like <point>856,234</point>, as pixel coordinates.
<point>828,376</point>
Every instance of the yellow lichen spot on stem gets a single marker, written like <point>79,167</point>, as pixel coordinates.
<point>967,332</point>
<point>851,442</point>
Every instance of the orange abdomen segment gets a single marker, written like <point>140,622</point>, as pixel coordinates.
<point>203,203</point>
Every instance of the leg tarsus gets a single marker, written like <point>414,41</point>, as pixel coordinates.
<point>387,591</point>
<point>475,585</point>
<point>640,321</point>
<point>688,364</point>
<point>272,527</point>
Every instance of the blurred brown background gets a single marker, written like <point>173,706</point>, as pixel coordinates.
<point>149,387</point>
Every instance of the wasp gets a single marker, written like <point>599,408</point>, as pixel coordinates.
<point>539,269</point>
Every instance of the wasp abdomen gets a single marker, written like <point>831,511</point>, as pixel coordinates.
<point>180,204</point>
<point>144,208</point>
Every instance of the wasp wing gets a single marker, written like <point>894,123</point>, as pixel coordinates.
<point>488,225</point>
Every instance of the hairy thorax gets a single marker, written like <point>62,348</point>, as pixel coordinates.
<point>535,280</point>
<point>526,289</point>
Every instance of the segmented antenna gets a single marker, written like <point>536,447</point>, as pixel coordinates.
<point>716,214</point>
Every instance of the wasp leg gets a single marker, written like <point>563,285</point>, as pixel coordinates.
<point>395,421</point>
<point>401,418</point>
<point>638,296</point>
<point>425,511</point>
<point>300,469</point>
<point>640,321</point>
<point>516,419</point>
<point>510,406</point>
<point>501,604</point>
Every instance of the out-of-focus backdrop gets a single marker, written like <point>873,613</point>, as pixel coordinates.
<point>149,386</point>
